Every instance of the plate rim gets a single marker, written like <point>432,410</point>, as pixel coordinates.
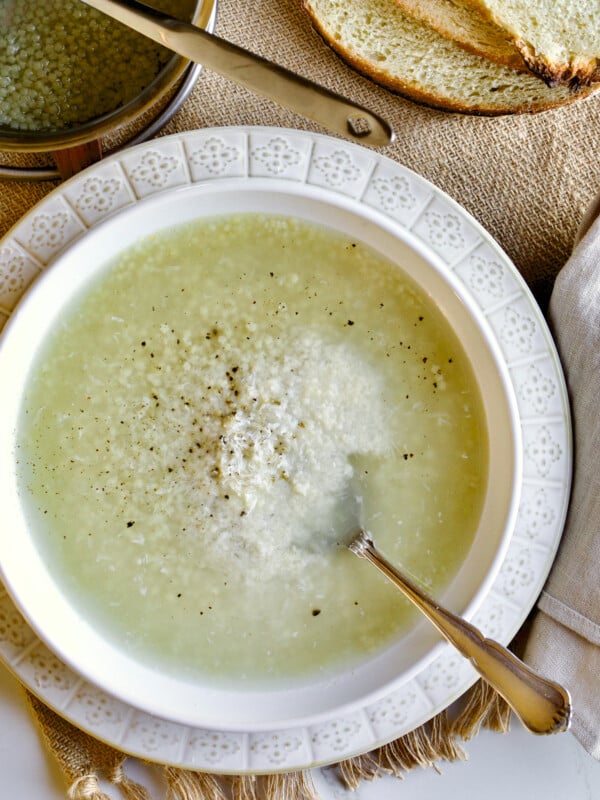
<point>245,759</point>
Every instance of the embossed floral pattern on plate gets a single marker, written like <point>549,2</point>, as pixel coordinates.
<point>439,226</point>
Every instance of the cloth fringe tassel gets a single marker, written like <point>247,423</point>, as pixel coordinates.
<point>87,787</point>
<point>437,740</point>
<point>185,785</point>
<point>290,786</point>
<point>423,747</point>
<point>483,708</point>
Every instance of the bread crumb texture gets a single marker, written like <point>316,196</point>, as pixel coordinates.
<point>468,28</point>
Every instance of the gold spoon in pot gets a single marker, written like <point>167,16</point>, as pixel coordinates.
<point>263,77</point>
<point>542,705</point>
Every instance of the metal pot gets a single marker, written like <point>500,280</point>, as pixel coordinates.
<point>76,147</point>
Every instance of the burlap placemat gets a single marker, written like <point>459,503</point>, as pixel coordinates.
<point>527,179</point>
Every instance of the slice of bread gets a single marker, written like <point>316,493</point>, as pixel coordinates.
<point>468,28</point>
<point>407,56</point>
<point>559,40</point>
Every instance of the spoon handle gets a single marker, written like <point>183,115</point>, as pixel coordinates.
<point>542,705</point>
<point>263,77</point>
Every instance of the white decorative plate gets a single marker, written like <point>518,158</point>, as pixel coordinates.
<point>445,229</point>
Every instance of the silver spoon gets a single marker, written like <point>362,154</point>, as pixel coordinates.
<point>263,77</point>
<point>542,705</point>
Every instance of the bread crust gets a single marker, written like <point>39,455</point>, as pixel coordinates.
<point>578,72</point>
<point>534,101</point>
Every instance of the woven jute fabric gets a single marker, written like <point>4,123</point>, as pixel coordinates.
<point>527,179</point>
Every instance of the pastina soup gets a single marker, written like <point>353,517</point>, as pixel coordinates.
<point>192,430</point>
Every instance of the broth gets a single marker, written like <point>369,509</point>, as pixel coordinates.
<point>195,427</point>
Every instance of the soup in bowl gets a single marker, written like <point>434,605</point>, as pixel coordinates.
<point>212,390</point>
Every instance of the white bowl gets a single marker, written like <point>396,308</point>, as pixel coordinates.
<point>59,623</point>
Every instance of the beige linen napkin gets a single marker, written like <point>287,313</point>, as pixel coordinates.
<point>564,641</point>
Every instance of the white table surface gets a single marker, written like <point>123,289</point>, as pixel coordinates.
<point>516,766</point>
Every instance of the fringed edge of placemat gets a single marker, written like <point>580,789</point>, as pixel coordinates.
<point>437,740</point>
<point>187,785</point>
<point>85,761</point>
